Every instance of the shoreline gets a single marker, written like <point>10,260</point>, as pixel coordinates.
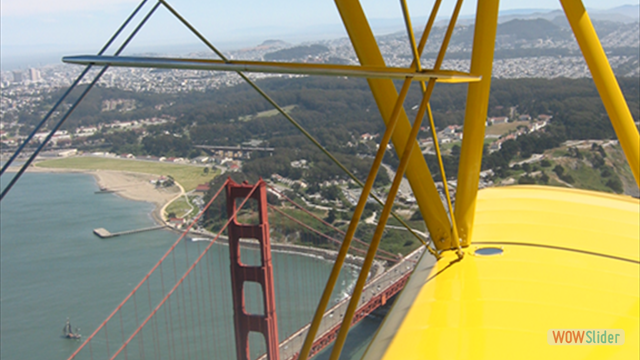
<point>136,186</point>
<point>126,184</point>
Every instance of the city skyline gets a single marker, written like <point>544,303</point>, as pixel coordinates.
<point>36,32</point>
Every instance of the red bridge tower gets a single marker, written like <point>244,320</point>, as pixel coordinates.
<point>265,324</point>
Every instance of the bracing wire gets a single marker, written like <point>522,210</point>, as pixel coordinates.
<point>75,104</point>
<point>285,114</point>
<point>73,85</point>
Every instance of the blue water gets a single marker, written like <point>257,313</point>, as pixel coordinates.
<point>53,267</point>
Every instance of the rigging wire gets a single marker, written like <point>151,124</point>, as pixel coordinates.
<point>384,216</point>
<point>317,319</point>
<point>73,85</point>
<point>287,116</point>
<point>75,104</point>
<point>323,234</point>
<point>438,63</point>
<point>325,222</point>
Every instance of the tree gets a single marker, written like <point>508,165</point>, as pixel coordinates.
<point>526,179</point>
<point>417,215</point>
<point>382,179</point>
<point>455,151</point>
<point>205,170</point>
<point>597,161</point>
<point>606,171</point>
<point>545,163</point>
<point>331,216</point>
<point>544,178</point>
<point>615,184</point>
<point>272,199</point>
<point>567,178</point>
<point>330,192</point>
<point>559,170</point>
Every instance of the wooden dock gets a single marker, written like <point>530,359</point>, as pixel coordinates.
<point>105,234</point>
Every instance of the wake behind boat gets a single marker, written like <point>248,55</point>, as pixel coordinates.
<point>194,239</point>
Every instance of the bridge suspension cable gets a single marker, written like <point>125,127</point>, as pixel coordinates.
<point>145,280</point>
<point>306,211</point>
<point>173,289</point>
<point>285,114</point>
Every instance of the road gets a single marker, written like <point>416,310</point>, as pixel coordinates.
<point>333,317</point>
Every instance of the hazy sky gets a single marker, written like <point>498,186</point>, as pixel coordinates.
<point>38,27</point>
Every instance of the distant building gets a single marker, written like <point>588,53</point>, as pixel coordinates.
<point>537,126</point>
<point>302,163</point>
<point>495,146</point>
<point>203,188</point>
<point>68,153</point>
<point>450,130</point>
<point>367,136</point>
<point>176,221</point>
<point>18,76</point>
<point>498,120</point>
<point>34,75</point>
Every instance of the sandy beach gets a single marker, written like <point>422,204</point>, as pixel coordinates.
<point>137,186</point>
<point>129,185</point>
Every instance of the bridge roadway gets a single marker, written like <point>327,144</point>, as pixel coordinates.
<point>375,294</point>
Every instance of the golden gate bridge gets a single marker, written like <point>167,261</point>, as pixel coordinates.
<point>198,302</point>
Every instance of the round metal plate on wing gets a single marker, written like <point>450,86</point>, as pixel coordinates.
<point>488,251</point>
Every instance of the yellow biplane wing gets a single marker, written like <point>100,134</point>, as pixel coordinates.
<point>516,267</point>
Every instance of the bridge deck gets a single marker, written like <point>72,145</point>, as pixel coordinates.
<point>375,294</point>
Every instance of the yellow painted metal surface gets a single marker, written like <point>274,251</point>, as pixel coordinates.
<point>475,118</point>
<point>382,72</point>
<point>569,261</point>
<point>385,94</point>
<point>577,219</point>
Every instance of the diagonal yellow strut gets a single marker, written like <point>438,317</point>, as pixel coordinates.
<point>385,94</point>
<point>606,83</point>
<point>353,225</point>
<point>285,114</point>
<point>434,135</point>
<point>386,211</point>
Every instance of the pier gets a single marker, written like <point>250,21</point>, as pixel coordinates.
<point>105,234</point>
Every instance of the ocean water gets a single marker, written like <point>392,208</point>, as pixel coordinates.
<point>53,267</point>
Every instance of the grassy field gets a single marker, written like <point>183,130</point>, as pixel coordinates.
<point>180,208</point>
<point>188,176</point>
<point>500,129</point>
<point>587,178</point>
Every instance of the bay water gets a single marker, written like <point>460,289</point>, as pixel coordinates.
<point>53,267</point>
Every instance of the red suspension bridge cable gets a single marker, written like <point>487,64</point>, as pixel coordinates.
<point>326,223</point>
<point>164,299</point>
<point>323,234</point>
<point>145,279</point>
